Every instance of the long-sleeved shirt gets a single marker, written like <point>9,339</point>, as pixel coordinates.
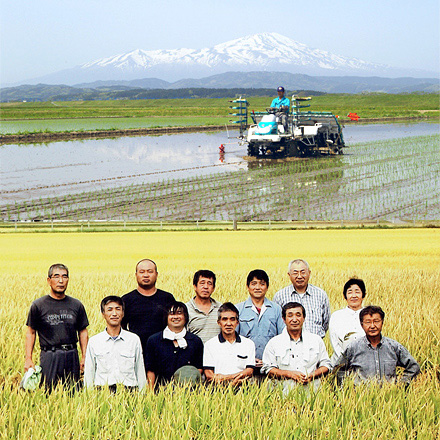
<point>305,355</point>
<point>316,303</point>
<point>111,361</point>
<point>260,327</point>
<point>378,363</point>
<point>344,328</point>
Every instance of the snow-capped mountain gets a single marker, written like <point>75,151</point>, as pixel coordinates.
<point>259,52</point>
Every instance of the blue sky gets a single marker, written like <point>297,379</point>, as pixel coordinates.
<point>44,36</point>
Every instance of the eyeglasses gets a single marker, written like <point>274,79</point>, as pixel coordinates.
<point>374,321</point>
<point>57,277</point>
<point>295,273</point>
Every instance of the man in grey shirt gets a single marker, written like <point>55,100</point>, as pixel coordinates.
<point>202,309</point>
<point>375,357</point>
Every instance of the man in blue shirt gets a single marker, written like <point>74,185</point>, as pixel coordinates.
<point>260,319</point>
<point>279,103</point>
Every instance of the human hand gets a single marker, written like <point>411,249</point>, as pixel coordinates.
<point>298,377</point>
<point>28,364</point>
<point>258,363</point>
<point>81,364</point>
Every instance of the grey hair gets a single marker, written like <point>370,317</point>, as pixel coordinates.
<point>298,261</point>
<point>57,266</point>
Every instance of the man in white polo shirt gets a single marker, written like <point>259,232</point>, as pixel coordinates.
<point>228,357</point>
<point>114,357</point>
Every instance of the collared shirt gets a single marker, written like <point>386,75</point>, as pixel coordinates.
<point>344,328</point>
<point>260,327</point>
<point>202,324</point>
<point>114,361</point>
<point>226,358</point>
<point>316,303</point>
<point>379,363</point>
<point>277,102</point>
<point>305,355</point>
<point>164,358</point>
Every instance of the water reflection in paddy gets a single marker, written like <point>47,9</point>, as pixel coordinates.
<point>39,170</point>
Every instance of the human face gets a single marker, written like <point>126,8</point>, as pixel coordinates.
<point>204,287</point>
<point>58,281</point>
<point>280,94</point>
<point>354,297</point>
<point>372,325</point>
<point>228,322</point>
<point>146,274</point>
<point>294,319</point>
<point>176,321</point>
<point>257,289</point>
<point>113,314</point>
<point>299,275</point>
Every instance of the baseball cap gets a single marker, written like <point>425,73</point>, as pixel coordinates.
<point>280,89</point>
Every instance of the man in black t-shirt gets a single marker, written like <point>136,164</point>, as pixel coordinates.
<point>60,322</point>
<point>145,306</point>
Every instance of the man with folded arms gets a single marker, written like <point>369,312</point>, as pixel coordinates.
<point>296,356</point>
<point>173,348</point>
<point>375,357</point>
<point>114,357</point>
<point>228,357</point>
<point>60,321</point>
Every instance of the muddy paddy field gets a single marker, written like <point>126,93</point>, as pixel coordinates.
<point>388,172</point>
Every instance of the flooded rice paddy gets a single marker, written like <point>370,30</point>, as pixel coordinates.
<point>389,171</point>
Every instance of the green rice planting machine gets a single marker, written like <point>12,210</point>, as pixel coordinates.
<point>288,131</point>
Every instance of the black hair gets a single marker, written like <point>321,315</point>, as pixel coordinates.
<point>146,259</point>
<point>259,274</point>
<point>176,307</point>
<point>292,305</point>
<point>205,274</point>
<point>227,307</point>
<point>112,298</point>
<point>371,310</point>
<point>57,266</point>
<point>352,282</point>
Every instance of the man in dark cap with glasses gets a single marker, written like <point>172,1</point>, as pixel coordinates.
<point>283,105</point>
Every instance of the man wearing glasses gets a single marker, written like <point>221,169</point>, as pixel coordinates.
<point>60,321</point>
<point>168,351</point>
<point>375,357</point>
<point>312,298</point>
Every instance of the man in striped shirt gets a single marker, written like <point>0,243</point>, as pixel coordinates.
<point>314,299</point>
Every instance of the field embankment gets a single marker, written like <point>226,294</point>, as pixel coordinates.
<point>76,119</point>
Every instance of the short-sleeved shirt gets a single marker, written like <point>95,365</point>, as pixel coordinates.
<point>164,358</point>
<point>144,315</point>
<point>316,303</point>
<point>202,324</point>
<point>277,102</point>
<point>261,326</point>
<point>57,321</point>
<point>226,358</point>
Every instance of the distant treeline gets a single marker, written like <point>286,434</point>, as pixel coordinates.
<point>45,92</point>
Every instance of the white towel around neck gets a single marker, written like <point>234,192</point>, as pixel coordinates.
<point>179,337</point>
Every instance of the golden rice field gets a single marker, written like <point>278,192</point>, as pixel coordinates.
<point>401,269</point>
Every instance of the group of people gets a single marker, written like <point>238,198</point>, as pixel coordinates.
<point>151,339</point>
